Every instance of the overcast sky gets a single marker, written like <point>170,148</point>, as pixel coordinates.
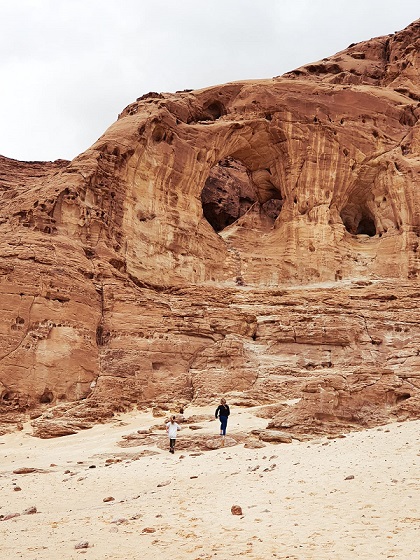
<point>68,67</point>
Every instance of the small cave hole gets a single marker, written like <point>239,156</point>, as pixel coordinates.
<point>159,133</point>
<point>358,220</point>
<point>118,264</point>
<point>212,111</point>
<point>366,227</point>
<point>273,207</point>
<point>221,193</point>
<point>46,397</point>
<point>402,397</point>
<point>89,252</point>
<point>229,193</point>
<point>201,156</point>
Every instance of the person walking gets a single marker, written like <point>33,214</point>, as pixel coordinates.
<point>172,429</point>
<point>222,412</point>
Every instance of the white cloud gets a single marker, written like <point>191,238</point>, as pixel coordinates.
<point>68,67</point>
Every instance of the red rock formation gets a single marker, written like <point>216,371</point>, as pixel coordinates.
<point>257,238</point>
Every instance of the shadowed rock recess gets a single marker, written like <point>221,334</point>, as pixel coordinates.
<point>256,239</point>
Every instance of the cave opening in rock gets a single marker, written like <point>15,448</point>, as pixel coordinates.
<point>229,193</point>
<point>211,111</point>
<point>358,220</point>
<point>214,111</point>
<point>46,397</point>
<point>366,227</point>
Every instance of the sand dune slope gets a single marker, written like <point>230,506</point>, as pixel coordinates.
<point>347,498</point>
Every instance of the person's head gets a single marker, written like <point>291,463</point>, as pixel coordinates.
<point>172,419</point>
<point>222,401</point>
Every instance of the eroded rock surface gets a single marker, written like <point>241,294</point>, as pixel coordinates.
<point>257,239</point>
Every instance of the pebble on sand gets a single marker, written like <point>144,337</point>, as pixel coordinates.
<point>236,510</point>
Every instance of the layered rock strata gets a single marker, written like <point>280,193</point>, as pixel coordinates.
<point>257,239</point>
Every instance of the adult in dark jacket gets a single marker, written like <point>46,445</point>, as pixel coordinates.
<point>222,412</point>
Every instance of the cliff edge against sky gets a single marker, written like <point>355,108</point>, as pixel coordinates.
<point>256,239</point>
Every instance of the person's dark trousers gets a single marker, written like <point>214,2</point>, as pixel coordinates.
<point>223,424</point>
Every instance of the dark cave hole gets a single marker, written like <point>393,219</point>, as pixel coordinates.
<point>214,110</point>
<point>211,111</point>
<point>403,397</point>
<point>46,397</point>
<point>158,133</point>
<point>367,227</point>
<point>358,220</point>
<point>229,193</point>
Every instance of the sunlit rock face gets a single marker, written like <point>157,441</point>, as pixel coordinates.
<point>245,239</point>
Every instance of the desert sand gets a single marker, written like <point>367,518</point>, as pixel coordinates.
<point>325,499</point>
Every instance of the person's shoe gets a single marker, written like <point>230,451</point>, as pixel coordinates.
<point>171,451</point>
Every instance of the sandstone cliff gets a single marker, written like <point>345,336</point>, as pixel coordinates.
<point>257,239</point>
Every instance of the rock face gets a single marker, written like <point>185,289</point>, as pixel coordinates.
<point>258,239</point>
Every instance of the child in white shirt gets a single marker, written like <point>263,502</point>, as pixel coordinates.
<point>171,429</point>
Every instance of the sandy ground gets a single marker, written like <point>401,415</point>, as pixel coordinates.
<point>356,497</point>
